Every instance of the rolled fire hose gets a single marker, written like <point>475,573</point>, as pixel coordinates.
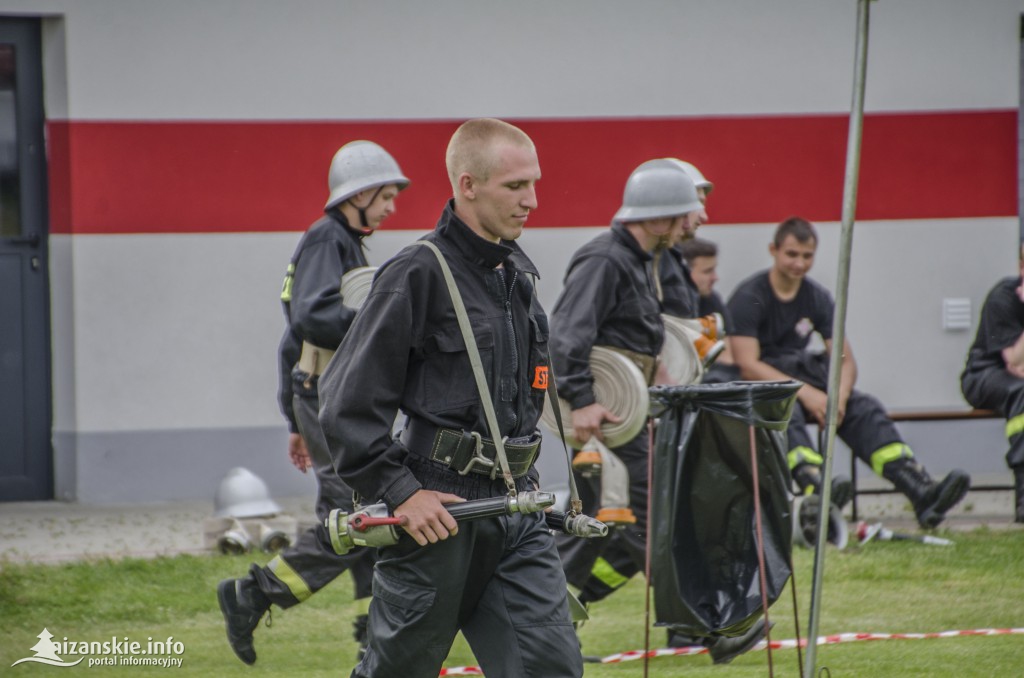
<point>619,386</point>
<point>679,355</point>
<point>805,523</point>
<point>711,326</point>
<point>355,285</point>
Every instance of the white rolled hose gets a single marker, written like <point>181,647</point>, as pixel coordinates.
<point>620,387</point>
<point>355,285</point>
<point>679,354</point>
<point>805,523</point>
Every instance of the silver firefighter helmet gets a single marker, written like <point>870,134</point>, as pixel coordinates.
<point>358,166</point>
<point>657,189</point>
<point>695,174</point>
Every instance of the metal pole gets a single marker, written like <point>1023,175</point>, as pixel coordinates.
<point>839,321</point>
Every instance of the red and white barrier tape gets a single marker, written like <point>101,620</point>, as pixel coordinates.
<point>775,644</point>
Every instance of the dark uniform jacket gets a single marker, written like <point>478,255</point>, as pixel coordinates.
<point>313,308</point>
<point>405,350</point>
<point>1000,325</point>
<point>679,294</point>
<point>609,299</point>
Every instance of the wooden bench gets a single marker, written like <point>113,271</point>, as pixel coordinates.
<point>925,415</point>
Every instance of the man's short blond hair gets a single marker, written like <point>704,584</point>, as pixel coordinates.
<point>469,150</point>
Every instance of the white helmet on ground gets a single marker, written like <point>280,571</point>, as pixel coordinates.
<point>358,166</point>
<point>243,494</point>
<point>656,189</point>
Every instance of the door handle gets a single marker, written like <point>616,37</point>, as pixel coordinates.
<point>30,240</point>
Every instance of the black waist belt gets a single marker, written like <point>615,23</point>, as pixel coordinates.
<point>467,451</point>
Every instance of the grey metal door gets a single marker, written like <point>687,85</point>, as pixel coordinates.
<point>26,457</point>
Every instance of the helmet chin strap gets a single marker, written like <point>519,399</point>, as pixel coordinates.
<point>364,224</point>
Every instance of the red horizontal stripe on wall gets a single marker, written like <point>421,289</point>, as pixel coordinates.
<point>200,177</point>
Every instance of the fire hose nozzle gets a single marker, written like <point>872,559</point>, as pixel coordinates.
<point>531,502</point>
<point>578,525</point>
<point>374,526</point>
<point>369,526</point>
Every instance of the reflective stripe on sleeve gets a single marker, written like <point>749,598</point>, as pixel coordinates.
<point>286,286</point>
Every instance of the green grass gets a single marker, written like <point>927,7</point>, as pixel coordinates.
<point>885,587</point>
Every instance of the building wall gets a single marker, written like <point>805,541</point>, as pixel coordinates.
<point>189,145</point>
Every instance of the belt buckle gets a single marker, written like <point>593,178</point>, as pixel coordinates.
<point>478,458</point>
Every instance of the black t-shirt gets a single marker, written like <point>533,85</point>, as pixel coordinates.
<point>1001,324</point>
<point>782,327</point>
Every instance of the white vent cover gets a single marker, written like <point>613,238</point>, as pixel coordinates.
<point>956,314</point>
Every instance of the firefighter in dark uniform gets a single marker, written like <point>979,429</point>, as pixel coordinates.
<point>497,580</point>
<point>680,296</point>
<point>774,313</point>
<point>993,377</point>
<point>364,181</point>
<point>610,299</point>
<point>679,293</point>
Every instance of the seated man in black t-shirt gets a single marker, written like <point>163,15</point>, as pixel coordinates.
<point>993,377</point>
<point>774,313</point>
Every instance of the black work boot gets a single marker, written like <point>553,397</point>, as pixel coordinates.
<point>1019,494</point>
<point>809,475</point>
<point>723,649</point>
<point>930,499</point>
<point>359,634</point>
<point>243,605</point>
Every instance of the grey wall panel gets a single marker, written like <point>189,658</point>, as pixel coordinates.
<point>155,466</point>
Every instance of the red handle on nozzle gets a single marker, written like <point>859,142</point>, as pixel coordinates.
<point>362,523</point>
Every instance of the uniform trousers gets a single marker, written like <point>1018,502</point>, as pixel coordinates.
<point>996,389</point>
<point>866,427</point>
<point>599,566</point>
<point>498,580</point>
